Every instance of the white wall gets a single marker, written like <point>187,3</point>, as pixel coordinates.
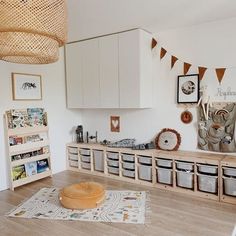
<point>60,119</point>
<point>210,45</point>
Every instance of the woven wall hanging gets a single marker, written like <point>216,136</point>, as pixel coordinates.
<point>31,32</point>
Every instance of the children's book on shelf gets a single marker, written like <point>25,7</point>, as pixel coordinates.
<point>18,172</point>
<point>36,116</point>
<point>42,165</point>
<point>19,118</point>
<point>31,168</point>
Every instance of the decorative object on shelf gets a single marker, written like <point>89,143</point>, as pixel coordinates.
<point>205,101</point>
<point>188,88</point>
<point>186,117</point>
<point>91,137</point>
<point>26,86</point>
<point>79,134</point>
<point>168,139</point>
<point>115,123</point>
<point>124,143</point>
<point>144,146</point>
<point>105,142</point>
<point>32,31</point>
<point>217,132</point>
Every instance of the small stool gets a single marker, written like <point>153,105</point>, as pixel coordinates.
<point>84,195</point>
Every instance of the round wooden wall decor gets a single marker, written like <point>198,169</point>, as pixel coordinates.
<point>186,117</point>
<point>168,139</point>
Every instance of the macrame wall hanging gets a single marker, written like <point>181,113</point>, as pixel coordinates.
<point>31,32</point>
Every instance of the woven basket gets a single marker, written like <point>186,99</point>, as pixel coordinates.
<point>31,31</point>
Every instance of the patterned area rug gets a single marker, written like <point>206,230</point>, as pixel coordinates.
<point>119,206</point>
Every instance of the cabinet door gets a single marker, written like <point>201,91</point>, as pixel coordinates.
<point>109,77</point>
<point>129,69</point>
<point>90,68</point>
<point>74,75</point>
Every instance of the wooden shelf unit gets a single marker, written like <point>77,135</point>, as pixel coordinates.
<point>25,148</point>
<point>195,157</point>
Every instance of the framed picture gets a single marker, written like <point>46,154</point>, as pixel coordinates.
<point>188,88</point>
<point>26,86</point>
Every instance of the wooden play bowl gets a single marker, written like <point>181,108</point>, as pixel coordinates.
<point>85,195</point>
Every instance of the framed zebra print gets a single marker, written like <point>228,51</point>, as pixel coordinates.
<point>26,86</point>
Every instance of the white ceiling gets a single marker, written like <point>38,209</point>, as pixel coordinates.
<point>90,18</point>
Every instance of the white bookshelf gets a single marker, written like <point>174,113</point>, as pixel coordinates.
<point>26,148</point>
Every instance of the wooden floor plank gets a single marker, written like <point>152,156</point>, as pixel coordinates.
<point>172,214</point>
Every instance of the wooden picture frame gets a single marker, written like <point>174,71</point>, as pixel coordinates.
<point>188,88</point>
<point>26,86</point>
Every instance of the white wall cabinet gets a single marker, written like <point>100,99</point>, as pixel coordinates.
<point>113,71</point>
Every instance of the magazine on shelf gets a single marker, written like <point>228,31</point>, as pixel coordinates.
<point>42,165</point>
<point>31,168</point>
<point>36,116</point>
<point>18,172</point>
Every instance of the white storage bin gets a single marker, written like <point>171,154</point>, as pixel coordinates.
<point>84,151</point>
<point>127,157</point>
<point>184,179</point>
<point>86,165</point>
<point>85,158</point>
<point>113,155</point>
<point>73,150</point>
<point>229,171</point>
<point>164,175</point>
<point>145,159</point>
<point>128,173</point>
<point>182,165</point>
<point>164,162</point>
<point>128,165</point>
<point>207,183</point>
<point>229,186</point>
<point>73,163</point>
<point>113,170</point>
<point>113,163</point>
<point>207,169</point>
<point>145,172</point>
<point>98,160</point>
<point>73,157</point>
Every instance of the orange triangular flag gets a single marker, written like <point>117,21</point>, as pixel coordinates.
<point>186,67</point>
<point>162,53</point>
<point>154,43</point>
<point>201,71</point>
<point>173,60</point>
<point>220,73</point>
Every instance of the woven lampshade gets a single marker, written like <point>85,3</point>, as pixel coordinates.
<point>31,31</point>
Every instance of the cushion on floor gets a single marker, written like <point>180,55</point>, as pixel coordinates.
<point>84,195</point>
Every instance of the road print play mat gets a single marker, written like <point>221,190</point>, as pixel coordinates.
<point>119,207</point>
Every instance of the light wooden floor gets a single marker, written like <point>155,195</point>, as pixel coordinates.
<point>172,214</point>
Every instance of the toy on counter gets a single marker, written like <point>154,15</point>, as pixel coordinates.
<point>91,137</point>
<point>79,134</point>
<point>144,146</point>
<point>124,143</point>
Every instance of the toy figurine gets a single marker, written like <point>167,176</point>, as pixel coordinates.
<point>79,134</point>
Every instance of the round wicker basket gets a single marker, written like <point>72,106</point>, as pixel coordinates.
<point>31,32</point>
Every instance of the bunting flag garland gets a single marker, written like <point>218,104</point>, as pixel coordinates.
<point>162,53</point>
<point>201,71</point>
<point>186,67</point>
<point>173,61</point>
<point>154,43</point>
<point>220,73</point>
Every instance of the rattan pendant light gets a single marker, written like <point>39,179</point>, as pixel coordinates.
<point>31,31</point>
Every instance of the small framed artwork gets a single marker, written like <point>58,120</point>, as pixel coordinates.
<point>188,88</point>
<point>26,86</point>
<point>115,123</point>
